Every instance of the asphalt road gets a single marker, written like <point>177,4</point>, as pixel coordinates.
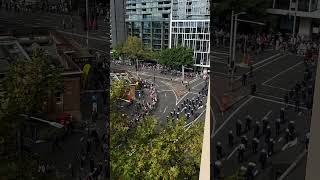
<point>98,39</point>
<point>274,78</point>
<point>168,99</point>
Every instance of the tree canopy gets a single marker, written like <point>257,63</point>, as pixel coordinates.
<point>26,87</point>
<point>176,57</point>
<point>134,49</point>
<point>152,150</point>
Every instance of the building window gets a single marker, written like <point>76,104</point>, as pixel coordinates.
<point>59,99</point>
<point>165,15</point>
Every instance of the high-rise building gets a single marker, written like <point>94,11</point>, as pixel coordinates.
<point>149,20</point>
<point>118,25</point>
<point>297,16</point>
<point>189,27</point>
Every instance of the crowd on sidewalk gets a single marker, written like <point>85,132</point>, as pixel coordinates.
<point>257,43</point>
<point>146,101</point>
<point>61,7</point>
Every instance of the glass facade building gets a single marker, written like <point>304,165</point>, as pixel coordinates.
<point>149,20</point>
<point>189,27</point>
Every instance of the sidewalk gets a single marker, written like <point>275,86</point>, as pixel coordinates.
<point>221,87</point>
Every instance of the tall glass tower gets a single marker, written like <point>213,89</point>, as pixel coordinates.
<point>149,20</point>
<point>189,27</point>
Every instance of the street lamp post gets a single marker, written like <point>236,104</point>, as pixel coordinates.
<point>87,19</point>
<point>231,35</point>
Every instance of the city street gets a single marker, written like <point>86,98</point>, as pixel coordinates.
<point>171,93</point>
<point>274,78</point>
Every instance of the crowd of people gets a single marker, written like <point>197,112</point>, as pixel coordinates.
<point>300,94</point>
<point>257,43</point>
<point>60,7</point>
<point>189,106</point>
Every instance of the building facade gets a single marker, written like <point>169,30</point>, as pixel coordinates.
<point>190,27</point>
<point>149,20</point>
<point>299,17</point>
<point>118,25</point>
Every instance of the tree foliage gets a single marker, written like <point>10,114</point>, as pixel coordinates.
<point>134,49</point>
<point>176,57</point>
<point>29,82</point>
<point>119,90</point>
<point>152,151</point>
<point>239,175</point>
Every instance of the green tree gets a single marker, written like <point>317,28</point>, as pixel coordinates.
<point>176,57</point>
<point>118,51</point>
<point>152,150</point>
<point>26,86</point>
<point>134,49</point>
<point>119,90</point>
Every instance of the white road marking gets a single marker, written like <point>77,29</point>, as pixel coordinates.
<point>269,95</point>
<point>266,116</point>
<point>255,173</point>
<point>282,72</point>
<point>192,122</point>
<point>279,102</point>
<point>229,118</point>
<point>83,36</point>
<point>165,109</point>
<point>276,87</point>
<point>215,52</point>
<point>161,91</point>
<point>290,144</point>
<point>181,98</point>
<point>165,94</point>
<point>255,69</point>
<point>280,139</point>
<point>235,149</point>
<point>256,64</point>
<point>172,90</point>
<point>198,84</point>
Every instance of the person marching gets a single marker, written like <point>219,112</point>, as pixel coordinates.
<point>256,129</point>
<point>248,122</point>
<point>255,145</point>
<point>263,158</point>
<point>219,150</point>
<point>238,127</point>
<point>241,153</point>
<point>230,138</point>
<point>277,126</point>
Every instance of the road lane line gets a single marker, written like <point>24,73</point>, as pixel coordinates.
<point>276,87</point>
<point>231,115</point>
<point>181,98</point>
<point>269,96</point>
<point>192,122</point>
<point>279,102</point>
<point>266,116</point>
<point>197,85</point>
<point>256,64</point>
<point>276,59</point>
<point>165,109</point>
<point>284,71</point>
<point>293,165</point>
<point>235,149</point>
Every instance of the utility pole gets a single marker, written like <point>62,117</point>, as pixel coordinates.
<point>231,36</point>
<point>234,50</point>
<point>87,19</point>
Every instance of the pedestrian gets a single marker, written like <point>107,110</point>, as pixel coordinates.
<point>71,170</point>
<point>219,150</point>
<point>263,158</point>
<point>244,79</point>
<point>251,71</point>
<point>256,129</point>
<point>277,126</point>
<point>230,138</point>
<point>91,163</point>
<point>241,150</point>
<point>248,122</point>
<point>250,170</point>
<point>88,145</point>
<point>82,159</point>
<point>271,146</point>
<point>238,127</point>
<point>291,127</point>
<point>287,135</point>
<point>255,145</point>
<point>268,134</point>
<point>244,140</point>
<point>264,124</point>
<point>307,140</point>
<point>297,103</point>
<point>217,169</point>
